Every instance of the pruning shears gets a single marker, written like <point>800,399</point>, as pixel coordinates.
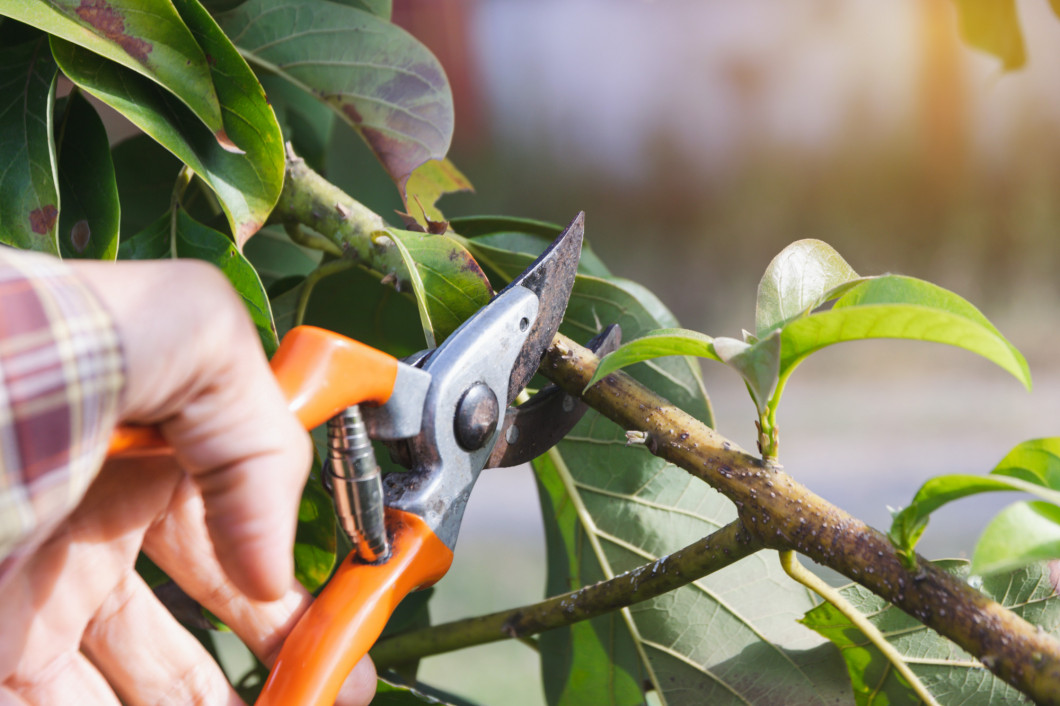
<point>445,414</point>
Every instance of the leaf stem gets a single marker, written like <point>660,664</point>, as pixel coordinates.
<point>592,533</point>
<point>312,280</point>
<point>180,186</point>
<point>790,562</point>
<point>712,553</point>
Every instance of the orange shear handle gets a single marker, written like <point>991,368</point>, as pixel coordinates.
<point>345,620</point>
<point>320,373</point>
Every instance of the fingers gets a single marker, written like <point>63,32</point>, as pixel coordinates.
<point>195,365</point>
<point>68,679</point>
<point>179,545</point>
<point>146,656</point>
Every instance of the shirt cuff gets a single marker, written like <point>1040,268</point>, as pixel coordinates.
<point>61,377</point>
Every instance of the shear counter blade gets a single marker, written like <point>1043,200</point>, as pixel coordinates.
<point>541,422</point>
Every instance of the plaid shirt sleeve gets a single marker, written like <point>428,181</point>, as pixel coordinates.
<point>61,376</point>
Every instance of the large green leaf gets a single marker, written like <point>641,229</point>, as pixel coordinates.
<point>949,673</point>
<point>375,75</point>
<point>191,239</point>
<point>145,36</point>
<point>448,284</point>
<point>993,27</point>
<point>248,184</point>
<point>28,188</point>
<point>90,214</point>
<point>799,279</point>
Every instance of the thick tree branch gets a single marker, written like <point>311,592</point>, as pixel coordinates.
<point>345,226</point>
<point>722,548</point>
<point>783,514</point>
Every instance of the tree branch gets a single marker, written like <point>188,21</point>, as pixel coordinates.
<point>783,514</point>
<point>722,548</point>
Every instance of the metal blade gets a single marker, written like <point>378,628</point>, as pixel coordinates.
<point>541,422</point>
<point>551,278</point>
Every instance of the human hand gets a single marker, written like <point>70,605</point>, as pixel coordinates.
<point>218,517</point>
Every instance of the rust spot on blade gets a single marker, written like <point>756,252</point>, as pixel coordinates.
<point>111,24</point>
<point>42,219</point>
<point>80,235</point>
<point>226,142</point>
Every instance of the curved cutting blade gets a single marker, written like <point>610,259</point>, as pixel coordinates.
<point>551,278</point>
<point>541,422</point>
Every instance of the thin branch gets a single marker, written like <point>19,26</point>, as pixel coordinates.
<point>783,514</point>
<point>722,548</point>
<point>799,573</point>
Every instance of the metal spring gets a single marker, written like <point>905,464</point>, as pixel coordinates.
<point>356,485</point>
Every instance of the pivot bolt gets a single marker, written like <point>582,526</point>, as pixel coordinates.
<point>477,414</point>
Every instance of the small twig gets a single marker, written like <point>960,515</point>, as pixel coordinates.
<point>790,562</point>
<point>722,548</point>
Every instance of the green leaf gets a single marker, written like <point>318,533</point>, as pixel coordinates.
<point>315,541</point>
<point>194,240</point>
<point>659,343</point>
<point>801,278</point>
<point>90,215</point>
<point>352,302</point>
<point>949,673</point>
<point>382,8</point>
<point>506,245</point>
<point>28,188</point>
<point>375,75</point>
<point>900,307</point>
<point>429,182</point>
<point>1031,467</point>
<point>145,36</point>
<point>248,184</point>
<point>758,364</point>
<point>306,123</point>
<point>993,27</point>
<point>146,173</point>
<point>1021,534</point>
<point>448,284</point>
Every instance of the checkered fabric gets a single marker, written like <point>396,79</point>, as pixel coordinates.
<point>61,375</point>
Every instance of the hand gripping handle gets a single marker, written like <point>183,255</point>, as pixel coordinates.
<point>349,614</point>
<point>320,373</point>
